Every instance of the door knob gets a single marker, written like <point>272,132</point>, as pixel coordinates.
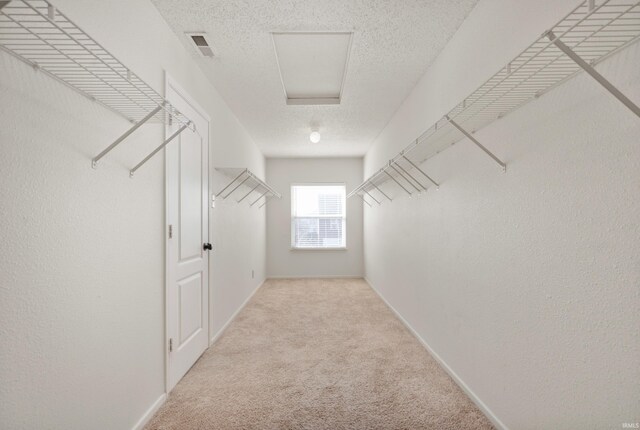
<point>207,247</point>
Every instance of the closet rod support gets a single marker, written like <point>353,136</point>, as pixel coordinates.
<point>94,162</point>
<point>236,187</point>
<point>256,200</point>
<point>380,191</point>
<point>231,183</point>
<point>594,74</point>
<point>404,177</point>
<point>155,151</point>
<point>362,197</point>
<point>396,181</point>
<point>247,195</point>
<point>421,171</point>
<point>374,199</point>
<point>474,140</point>
<point>410,175</point>
<point>265,201</point>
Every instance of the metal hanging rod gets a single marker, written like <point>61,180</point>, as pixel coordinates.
<point>37,33</point>
<point>590,33</point>
<point>243,177</point>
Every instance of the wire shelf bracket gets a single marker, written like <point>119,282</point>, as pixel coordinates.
<point>590,33</point>
<point>478,144</point>
<point>396,181</point>
<point>244,177</point>
<point>373,198</point>
<point>37,33</point>
<point>363,199</point>
<point>382,192</point>
<point>162,145</point>
<point>421,171</point>
<point>593,73</point>
<point>94,161</point>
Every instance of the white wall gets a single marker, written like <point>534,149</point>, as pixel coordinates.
<point>82,261</point>
<point>525,283</point>
<point>284,262</point>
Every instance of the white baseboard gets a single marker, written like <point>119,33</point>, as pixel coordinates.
<point>156,405</point>
<point>479,403</point>
<point>317,277</point>
<point>235,314</point>
<point>150,412</point>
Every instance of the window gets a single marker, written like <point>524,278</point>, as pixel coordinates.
<point>318,216</point>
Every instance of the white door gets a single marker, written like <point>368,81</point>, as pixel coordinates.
<point>187,173</point>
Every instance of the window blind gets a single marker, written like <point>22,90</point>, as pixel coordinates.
<point>318,216</point>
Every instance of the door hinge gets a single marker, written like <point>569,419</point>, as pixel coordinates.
<point>170,345</point>
<point>170,231</point>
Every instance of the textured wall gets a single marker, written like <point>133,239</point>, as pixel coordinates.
<point>82,262</point>
<point>284,262</point>
<point>525,283</point>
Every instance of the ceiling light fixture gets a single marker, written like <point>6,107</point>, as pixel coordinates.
<point>314,137</point>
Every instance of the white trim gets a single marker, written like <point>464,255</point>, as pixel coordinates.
<point>338,248</point>
<point>292,246</point>
<point>170,82</point>
<point>216,336</point>
<point>315,277</point>
<point>163,398</point>
<point>146,417</point>
<point>314,100</point>
<point>479,403</point>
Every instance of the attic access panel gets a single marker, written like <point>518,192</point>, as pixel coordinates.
<point>312,65</point>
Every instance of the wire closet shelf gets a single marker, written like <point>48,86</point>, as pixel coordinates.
<point>40,35</point>
<point>583,38</point>
<point>254,188</point>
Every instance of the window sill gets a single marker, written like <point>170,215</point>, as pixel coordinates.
<point>318,249</point>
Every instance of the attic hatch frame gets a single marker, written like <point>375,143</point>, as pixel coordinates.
<point>586,36</point>
<point>35,32</point>
<point>244,177</point>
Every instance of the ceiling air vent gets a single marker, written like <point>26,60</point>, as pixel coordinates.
<point>199,41</point>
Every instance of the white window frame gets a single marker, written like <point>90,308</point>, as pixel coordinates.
<point>344,217</point>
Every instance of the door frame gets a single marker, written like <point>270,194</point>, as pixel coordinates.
<point>172,83</point>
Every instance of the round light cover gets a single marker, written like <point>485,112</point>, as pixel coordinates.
<point>314,137</point>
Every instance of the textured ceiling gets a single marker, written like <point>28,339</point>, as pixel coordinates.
<point>393,44</point>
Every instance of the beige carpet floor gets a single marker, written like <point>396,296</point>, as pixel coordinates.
<point>317,354</point>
